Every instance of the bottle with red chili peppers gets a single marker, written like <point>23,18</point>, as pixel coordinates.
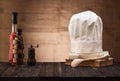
<point>12,36</point>
<point>16,43</point>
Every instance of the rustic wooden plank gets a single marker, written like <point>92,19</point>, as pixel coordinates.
<point>31,6</point>
<point>116,54</point>
<point>57,70</point>
<point>10,71</point>
<point>93,72</point>
<point>10,6</point>
<point>63,37</point>
<point>3,67</point>
<point>63,73</point>
<point>64,21</point>
<point>35,70</point>
<point>116,65</point>
<point>0,5</point>
<point>45,56</point>
<point>42,69</point>
<point>42,6</point>
<point>94,63</point>
<point>61,52</point>
<point>49,69</point>
<point>1,21</point>
<point>4,53</point>
<point>6,20</point>
<point>55,43</point>
<point>104,62</point>
<point>107,36</point>
<point>51,6</point>
<point>57,48</point>
<point>109,71</point>
<point>36,21</point>
<point>40,37</point>
<point>82,71</point>
<point>75,72</point>
<point>53,16</point>
<point>58,51</point>
<point>67,71</point>
<point>87,72</point>
<point>26,71</point>
<point>32,21</point>
<point>5,37</point>
<point>68,7</point>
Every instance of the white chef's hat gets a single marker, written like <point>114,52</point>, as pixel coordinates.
<point>85,31</point>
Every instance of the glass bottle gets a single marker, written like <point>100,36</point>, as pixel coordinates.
<point>12,36</point>
<point>18,54</point>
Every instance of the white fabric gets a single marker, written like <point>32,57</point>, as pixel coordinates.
<point>85,31</point>
<point>88,55</point>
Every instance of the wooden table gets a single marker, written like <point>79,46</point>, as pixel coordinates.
<point>53,71</point>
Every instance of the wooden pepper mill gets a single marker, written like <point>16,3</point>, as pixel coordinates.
<point>31,55</point>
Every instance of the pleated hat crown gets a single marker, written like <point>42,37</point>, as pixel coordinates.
<point>85,31</point>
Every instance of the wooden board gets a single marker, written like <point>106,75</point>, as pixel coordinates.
<point>93,63</point>
<point>46,23</point>
<point>59,70</point>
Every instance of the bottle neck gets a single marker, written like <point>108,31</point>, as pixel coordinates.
<point>14,28</point>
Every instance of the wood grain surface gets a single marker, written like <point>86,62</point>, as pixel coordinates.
<point>45,22</point>
<point>57,69</point>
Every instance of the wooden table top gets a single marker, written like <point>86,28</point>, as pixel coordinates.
<point>58,70</point>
